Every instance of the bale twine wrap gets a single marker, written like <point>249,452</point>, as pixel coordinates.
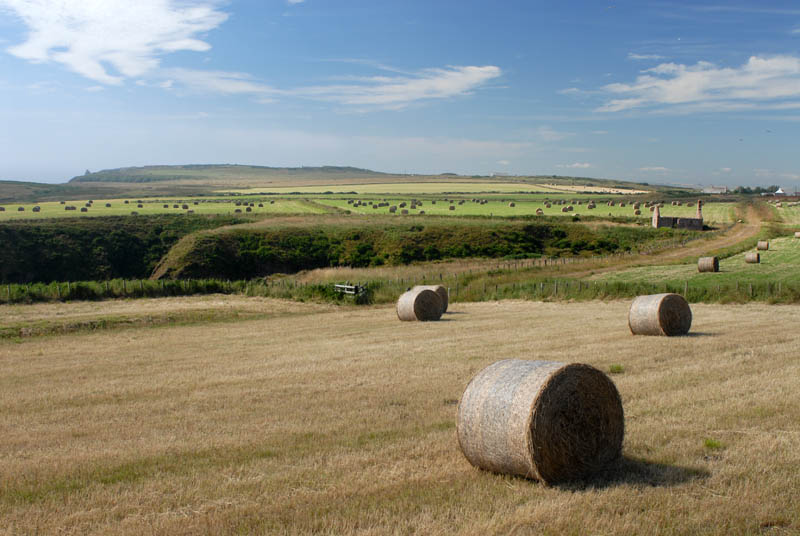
<point>660,314</point>
<point>708,264</point>
<point>540,419</point>
<point>420,304</point>
<point>753,257</point>
<point>762,245</point>
<point>441,291</point>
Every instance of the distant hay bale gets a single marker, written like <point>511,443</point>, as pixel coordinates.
<point>249,209</point>
<point>548,205</point>
<point>708,264</point>
<point>539,212</point>
<point>237,211</point>
<point>2,209</point>
<point>84,209</point>
<point>441,290</point>
<point>166,206</point>
<point>36,209</point>
<point>272,202</point>
<point>660,314</point>
<point>108,205</point>
<point>139,206</point>
<point>404,212</point>
<point>261,205</point>
<point>752,257</point>
<point>174,206</point>
<point>420,304</point>
<point>637,212</point>
<point>21,209</point>
<point>763,245</point>
<point>541,419</point>
<point>186,207</point>
<point>512,204</point>
<point>452,207</point>
<point>796,233</point>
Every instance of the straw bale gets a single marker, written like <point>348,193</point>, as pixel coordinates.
<point>660,314</point>
<point>763,245</point>
<point>708,264</point>
<point>752,257</point>
<point>541,419</point>
<point>797,234</point>
<point>441,291</point>
<point>419,304</point>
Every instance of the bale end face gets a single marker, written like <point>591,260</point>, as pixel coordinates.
<point>752,258</point>
<point>763,245</point>
<point>441,291</point>
<point>708,264</point>
<point>660,314</point>
<point>420,304</point>
<point>540,419</point>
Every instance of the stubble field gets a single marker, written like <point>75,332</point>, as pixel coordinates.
<point>341,421</point>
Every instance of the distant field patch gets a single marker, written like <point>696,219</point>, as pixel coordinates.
<point>585,188</point>
<point>411,188</point>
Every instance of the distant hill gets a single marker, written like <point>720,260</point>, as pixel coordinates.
<point>202,172</point>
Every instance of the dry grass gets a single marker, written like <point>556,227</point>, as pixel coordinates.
<point>342,422</point>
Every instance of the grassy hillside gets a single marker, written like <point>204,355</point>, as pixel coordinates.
<point>244,252</point>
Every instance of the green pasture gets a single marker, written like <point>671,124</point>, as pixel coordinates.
<point>155,206</point>
<point>778,264</point>
<point>527,206</point>
<point>788,213</point>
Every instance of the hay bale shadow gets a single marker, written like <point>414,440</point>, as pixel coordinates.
<point>638,472</point>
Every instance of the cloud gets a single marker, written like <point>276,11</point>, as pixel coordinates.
<point>576,165</point>
<point>654,169</point>
<point>503,162</point>
<point>110,40</point>
<point>220,82</point>
<point>771,83</point>
<point>725,170</point>
<point>641,57</point>
<point>395,92</point>
<point>293,2</point>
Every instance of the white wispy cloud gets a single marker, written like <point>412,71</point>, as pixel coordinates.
<point>576,165</point>
<point>654,169</point>
<point>642,57</point>
<point>394,92</point>
<point>771,83</point>
<point>293,2</point>
<point>219,82</point>
<point>110,40</point>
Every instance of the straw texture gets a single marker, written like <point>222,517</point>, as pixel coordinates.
<point>708,264</point>
<point>660,314</point>
<point>763,245</point>
<point>540,419</point>
<point>441,291</point>
<point>752,257</point>
<point>419,304</point>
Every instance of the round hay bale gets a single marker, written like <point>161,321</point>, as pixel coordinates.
<point>660,314</point>
<point>441,291</point>
<point>637,212</point>
<point>763,245</point>
<point>512,204</point>
<point>797,234</point>
<point>419,304</point>
<point>452,207</point>
<point>708,264</point>
<point>752,257</point>
<point>541,419</point>
<point>539,212</point>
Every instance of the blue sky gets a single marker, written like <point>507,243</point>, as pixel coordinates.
<point>661,92</point>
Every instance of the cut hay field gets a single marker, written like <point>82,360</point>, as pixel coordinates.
<point>778,264</point>
<point>432,187</point>
<point>341,421</point>
<point>155,206</point>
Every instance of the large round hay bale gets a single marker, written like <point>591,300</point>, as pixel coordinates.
<point>797,234</point>
<point>419,304</point>
<point>708,264</point>
<point>762,245</point>
<point>660,314</point>
<point>752,257</point>
<point>441,291</point>
<point>540,419</point>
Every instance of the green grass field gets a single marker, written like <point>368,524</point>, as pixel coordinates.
<point>779,263</point>
<point>155,206</point>
<point>527,206</point>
